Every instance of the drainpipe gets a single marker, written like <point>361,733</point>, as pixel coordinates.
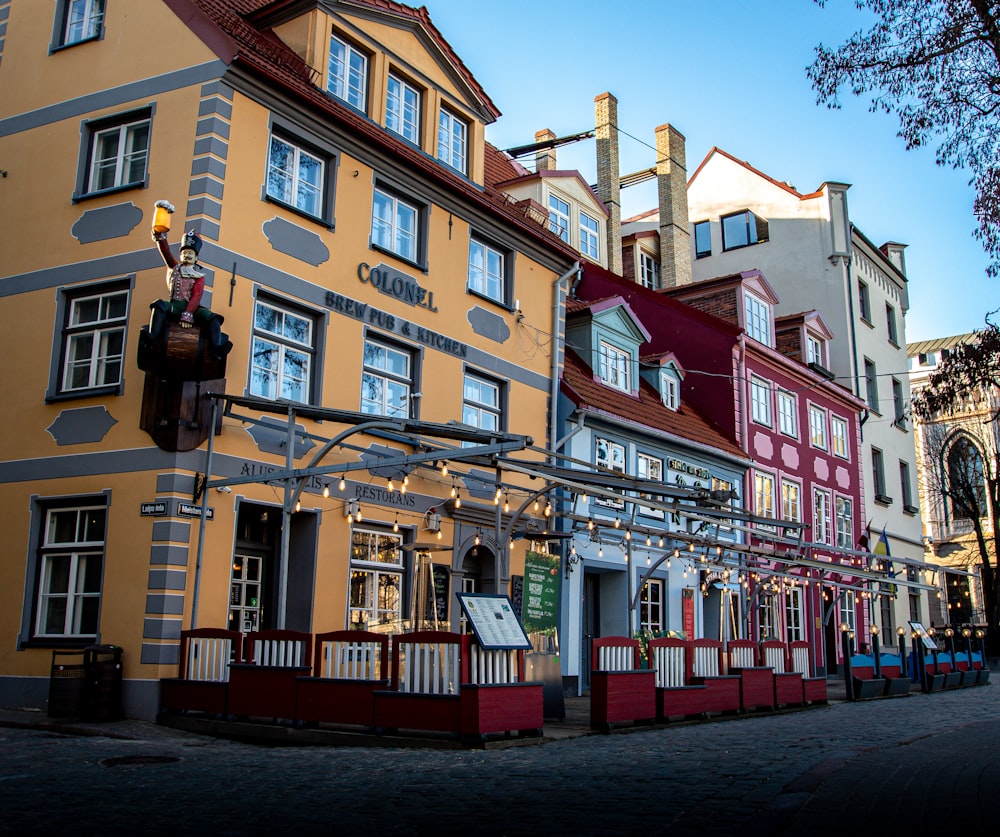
<point>558,323</point>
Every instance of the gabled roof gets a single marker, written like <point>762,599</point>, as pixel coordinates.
<point>811,319</point>
<point>787,187</point>
<point>753,278</point>
<point>646,411</point>
<point>228,28</point>
<point>555,174</point>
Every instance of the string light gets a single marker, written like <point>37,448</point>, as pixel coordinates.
<point>506,502</point>
<point>628,534</point>
<point>357,517</point>
<point>454,491</point>
<point>298,506</point>
<point>326,489</point>
<point>389,486</point>
<point>548,509</point>
<point>444,469</point>
<point>618,523</point>
<point>649,540</point>
<point>458,500</point>
<point>395,523</point>
<point>590,523</point>
<point>342,485</point>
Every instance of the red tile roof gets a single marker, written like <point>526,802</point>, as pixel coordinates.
<point>226,27</point>
<point>647,409</point>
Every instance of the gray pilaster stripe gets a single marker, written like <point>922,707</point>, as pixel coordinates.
<point>175,556</point>
<point>161,629</point>
<point>167,579</point>
<point>174,531</point>
<point>162,655</point>
<point>204,206</point>
<point>159,604</point>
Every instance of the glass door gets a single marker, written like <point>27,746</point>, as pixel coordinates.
<point>245,594</point>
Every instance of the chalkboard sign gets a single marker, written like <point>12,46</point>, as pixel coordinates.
<point>516,593</point>
<point>442,579</point>
<point>493,621</point>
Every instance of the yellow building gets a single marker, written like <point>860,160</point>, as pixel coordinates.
<point>332,157</point>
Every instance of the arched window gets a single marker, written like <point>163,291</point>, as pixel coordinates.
<point>966,484</point>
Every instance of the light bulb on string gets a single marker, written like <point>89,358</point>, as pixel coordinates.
<point>389,486</point>
<point>395,523</point>
<point>342,485</point>
<point>326,489</point>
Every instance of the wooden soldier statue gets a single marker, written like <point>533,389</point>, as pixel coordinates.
<point>164,349</point>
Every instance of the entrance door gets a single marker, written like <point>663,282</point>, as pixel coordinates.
<point>245,593</point>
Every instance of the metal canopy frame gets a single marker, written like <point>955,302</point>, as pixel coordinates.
<point>434,442</point>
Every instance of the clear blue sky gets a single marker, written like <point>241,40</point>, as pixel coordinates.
<point>728,73</point>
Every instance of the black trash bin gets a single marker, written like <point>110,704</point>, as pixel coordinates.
<point>67,684</point>
<point>102,700</point>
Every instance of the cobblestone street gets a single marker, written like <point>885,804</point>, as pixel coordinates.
<point>923,764</point>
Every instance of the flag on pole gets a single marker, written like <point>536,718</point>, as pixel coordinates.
<point>882,545</point>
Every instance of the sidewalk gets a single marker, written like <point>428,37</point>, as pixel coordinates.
<point>576,724</point>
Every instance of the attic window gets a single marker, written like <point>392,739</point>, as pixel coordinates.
<point>741,229</point>
<point>347,77</point>
<point>814,350</point>
<point>615,365</point>
<point>669,391</point>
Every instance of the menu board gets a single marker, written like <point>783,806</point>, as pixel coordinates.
<point>493,621</point>
<point>540,602</point>
<point>927,640</point>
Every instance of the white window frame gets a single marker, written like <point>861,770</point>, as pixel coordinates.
<point>396,225</point>
<point>760,401</point>
<point>768,616</point>
<point>758,318</point>
<point>814,350</point>
<point>80,20</point>
<point>287,349</point>
<point>370,571</point>
<point>589,236</point>
<point>487,270</point>
<point>848,609</point>
<point>83,548</point>
<point>794,627</point>
<point>385,390</point>
<point>652,603</point>
<point>764,494</point>
<point>613,460</point>
<point>670,391</point>
<point>649,271</point>
<point>402,109</point>
<point>105,333</point>
<point>347,73</point>
<point>791,501</point>
<point>126,155</point>
<point>844,522</point>
<point>822,516</point>
<point>817,427</point>
<point>453,140</point>
<point>615,366</point>
<point>289,183</point>
<point>838,437</point>
<point>649,467</point>
<point>788,415</point>
<point>482,402</point>
<point>559,211</point>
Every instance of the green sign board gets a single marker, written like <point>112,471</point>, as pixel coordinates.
<point>540,595</point>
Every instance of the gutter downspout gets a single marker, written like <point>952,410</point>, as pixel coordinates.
<point>558,322</point>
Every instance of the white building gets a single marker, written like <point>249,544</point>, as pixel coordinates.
<point>816,258</point>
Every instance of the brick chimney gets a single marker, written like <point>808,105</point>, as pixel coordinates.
<point>608,175</point>
<point>675,235</point>
<point>545,158</point>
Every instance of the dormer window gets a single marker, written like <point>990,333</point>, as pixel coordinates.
<point>589,237</point>
<point>453,141</point>
<point>559,217</point>
<point>670,392</point>
<point>615,364</point>
<point>649,271</point>
<point>402,109</point>
<point>814,350</point>
<point>758,319</point>
<point>347,75</point>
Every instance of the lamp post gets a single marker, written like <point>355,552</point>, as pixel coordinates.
<point>901,634</point>
<point>875,652</point>
<point>950,640</point>
<point>845,632</point>
<point>918,660</point>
